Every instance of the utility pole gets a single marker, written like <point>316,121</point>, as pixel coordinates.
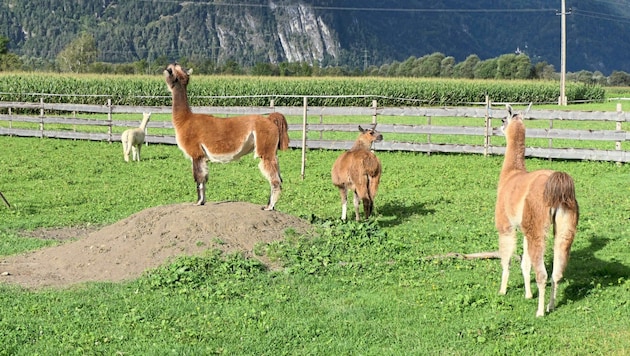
<point>562,100</point>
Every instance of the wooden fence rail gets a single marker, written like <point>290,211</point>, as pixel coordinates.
<point>491,113</point>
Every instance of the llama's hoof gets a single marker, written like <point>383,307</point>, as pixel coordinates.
<point>266,208</point>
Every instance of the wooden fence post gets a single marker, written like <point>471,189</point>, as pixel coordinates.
<point>429,136</point>
<point>272,105</point>
<point>618,125</point>
<point>304,123</point>
<point>321,121</point>
<point>488,132</point>
<point>550,139</point>
<point>375,107</point>
<point>41,117</point>
<point>10,121</point>
<point>618,128</point>
<point>109,119</point>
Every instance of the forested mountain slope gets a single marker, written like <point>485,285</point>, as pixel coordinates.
<point>355,33</point>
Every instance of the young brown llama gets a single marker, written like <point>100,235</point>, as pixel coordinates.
<point>132,139</point>
<point>205,138</point>
<point>359,170</point>
<point>533,201</point>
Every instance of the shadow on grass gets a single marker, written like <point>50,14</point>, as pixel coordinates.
<point>587,272</point>
<point>395,214</point>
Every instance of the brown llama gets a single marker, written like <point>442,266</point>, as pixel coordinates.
<point>359,170</point>
<point>532,202</point>
<point>205,138</point>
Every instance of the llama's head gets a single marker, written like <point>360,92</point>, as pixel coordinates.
<point>175,74</point>
<point>370,135</point>
<point>513,122</point>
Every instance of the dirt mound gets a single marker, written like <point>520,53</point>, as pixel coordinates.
<point>146,240</point>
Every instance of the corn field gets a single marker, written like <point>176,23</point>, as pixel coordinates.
<point>203,90</point>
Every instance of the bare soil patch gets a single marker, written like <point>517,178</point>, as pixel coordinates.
<point>145,240</point>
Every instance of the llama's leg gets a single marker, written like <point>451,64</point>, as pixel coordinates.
<point>507,245</point>
<point>134,153</point>
<point>565,227</point>
<point>356,202</point>
<point>536,250</point>
<point>526,269</point>
<point>343,192</point>
<point>125,146</point>
<point>200,173</point>
<point>271,170</point>
<point>368,205</point>
<point>372,190</point>
<point>362,194</point>
<point>139,147</point>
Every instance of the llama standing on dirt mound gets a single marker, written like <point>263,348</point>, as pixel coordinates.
<point>205,137</point>
<point>359,170</point>
<point>132,139</point>
<point>533,201</point>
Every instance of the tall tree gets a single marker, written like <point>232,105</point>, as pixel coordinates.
<point>466,69</point>
<point>78,54</point>
<point>8,61</point>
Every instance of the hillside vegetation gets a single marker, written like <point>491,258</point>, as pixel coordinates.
<point>354,33</point>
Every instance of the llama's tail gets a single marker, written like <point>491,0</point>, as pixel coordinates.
<point>559,194</point>
<point>281,122</point>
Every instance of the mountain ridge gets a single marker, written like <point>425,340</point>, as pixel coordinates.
<point>354,33</point>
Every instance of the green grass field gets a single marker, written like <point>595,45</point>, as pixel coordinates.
<point>369,288</point>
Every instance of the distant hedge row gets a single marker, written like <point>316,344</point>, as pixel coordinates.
<point>152,91</point>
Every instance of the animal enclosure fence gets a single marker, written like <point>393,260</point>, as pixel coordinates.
<point>554,134</point>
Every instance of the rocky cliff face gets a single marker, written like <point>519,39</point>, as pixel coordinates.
<point>304,37</point>
<point>290,33</point>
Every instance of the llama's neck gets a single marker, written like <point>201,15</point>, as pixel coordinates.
<point>143,124</point>
<point>361,145</point>
<point>514,152</point>
<point>180,103</point>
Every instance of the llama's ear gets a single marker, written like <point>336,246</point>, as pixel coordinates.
<point>509,109</point>
<point>361,129</point>
<point>529,107</point>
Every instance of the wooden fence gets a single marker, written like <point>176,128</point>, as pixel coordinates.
<point>485,133</point>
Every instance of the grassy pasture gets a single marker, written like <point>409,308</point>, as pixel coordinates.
<point>356,288</point>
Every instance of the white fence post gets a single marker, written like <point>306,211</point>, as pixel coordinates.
<point>304,123</point>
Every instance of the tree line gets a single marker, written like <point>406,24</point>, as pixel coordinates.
<point>80,56</point>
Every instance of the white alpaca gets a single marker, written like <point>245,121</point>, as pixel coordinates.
<point>132,139</point>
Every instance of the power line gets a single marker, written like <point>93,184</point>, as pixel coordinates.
<point>602,16</point>
<point>347,8</point>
